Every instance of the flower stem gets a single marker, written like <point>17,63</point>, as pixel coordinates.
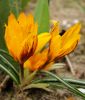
<point>21,72</point>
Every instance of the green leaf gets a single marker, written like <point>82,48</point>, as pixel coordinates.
<point>76,83</point>
<point>8,63</point>
<point>4,12</point>
<point>7,66</point>
<point>28,77</point>
<point>42,16</point>
<point>68,85</point>
<point>24,3</point>
<point>15,6</point>
<point>5,7</point>
<point>56,66</point>
<point>9,71</point>
<point>43,86</point>
<point>8,58</point>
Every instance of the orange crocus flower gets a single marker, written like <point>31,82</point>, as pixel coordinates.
<point>21,37</point>
<point>59,46</point>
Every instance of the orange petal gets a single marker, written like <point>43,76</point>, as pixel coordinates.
<point>54,22</point>
<point>43,39</point>
<point>48,66</point>
<point>30,19</point>
<point>37,60</point>
<point>29,45</point>
<point>26,23</point>
<point>69,46</point>
<point>25,49</point>
<point>13,36</point>
<point>55,30</point>
<point>55,42</point>
<point>71,32</point>
<point>19,42</point>
<point>55,46</point>
<point>68,41</point>
<point>22,19</point>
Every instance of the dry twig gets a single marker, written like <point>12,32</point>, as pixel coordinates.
<point>70,65</point>
<point>3,84</point>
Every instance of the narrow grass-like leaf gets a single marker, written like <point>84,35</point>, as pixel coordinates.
<point>10,72</point>
<point>8,63</point>
<point>3,51</point>
<point>77,83</point>
<point>69,86</point>
<point>5,55</point>
<point>7,66</point>
<point>42,16</point>
<point>56,66</point>
<point>43,86</point>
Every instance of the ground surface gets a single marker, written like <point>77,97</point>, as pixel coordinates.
<point>67,12</point>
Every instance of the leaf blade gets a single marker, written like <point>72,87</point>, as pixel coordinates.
<point>15,7</point>
<point>4,12</point>
<point>42,16</point>
<point>9,73</point>
<point>7,66</point>
<point>69,86</point>
<point>43,86</point>
<point>7,62</point>
<point>24,3</point>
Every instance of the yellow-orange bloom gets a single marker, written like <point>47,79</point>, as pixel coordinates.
<point>59,46</point>
<point>63,45</point>
<point>21,37</point>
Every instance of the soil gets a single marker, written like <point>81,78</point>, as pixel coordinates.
<point>67,12</point>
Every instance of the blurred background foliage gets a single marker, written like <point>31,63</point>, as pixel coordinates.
<point>7,6</point>
<point>17,6</point>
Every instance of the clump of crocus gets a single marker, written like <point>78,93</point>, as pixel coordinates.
<point>28,48</point>
<point>21,37</point>
<point>58,47</point>
<point>35,52</point>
